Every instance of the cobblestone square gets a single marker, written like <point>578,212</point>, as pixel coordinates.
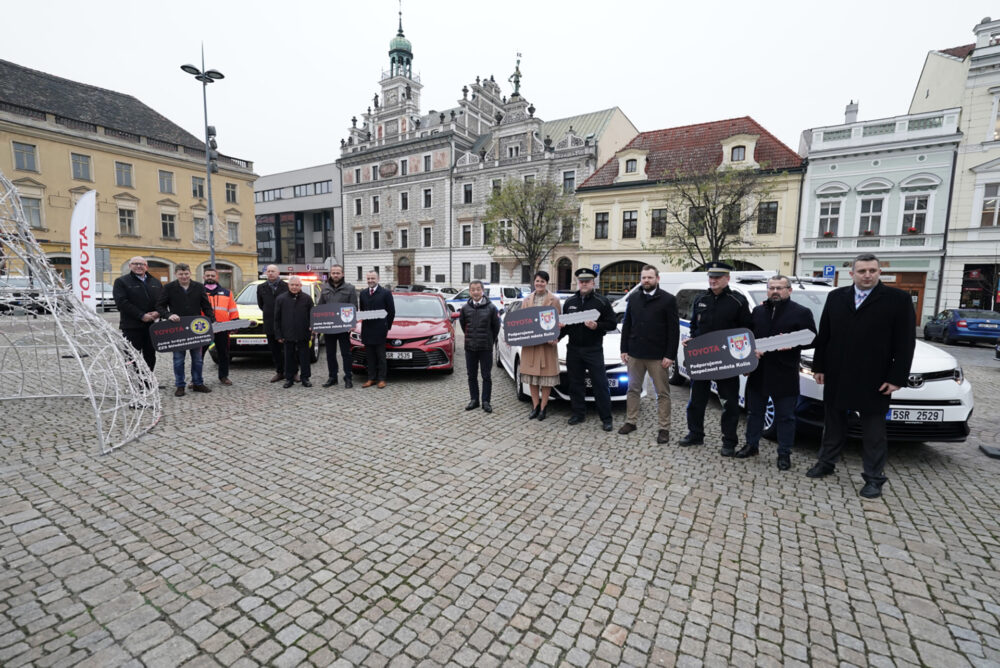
<point>259,525</point>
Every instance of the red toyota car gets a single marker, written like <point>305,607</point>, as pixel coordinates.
<point>421,337</point>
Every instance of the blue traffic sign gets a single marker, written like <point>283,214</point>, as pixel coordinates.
<point>829,271</point>
<point>596,268</point>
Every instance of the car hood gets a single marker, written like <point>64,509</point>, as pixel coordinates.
<point>926,358</point>
<point>248,312</point>
<point>411,328</point>
<point>612,343</point>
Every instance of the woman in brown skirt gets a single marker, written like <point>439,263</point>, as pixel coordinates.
<point>540,364</point>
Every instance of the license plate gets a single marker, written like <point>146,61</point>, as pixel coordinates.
<point>915,415</point>
<point>612,382</point>
<point>251,342</point>
<point>398,355</point>
<point>990,326</point>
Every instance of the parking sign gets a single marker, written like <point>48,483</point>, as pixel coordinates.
<point>829,271</point>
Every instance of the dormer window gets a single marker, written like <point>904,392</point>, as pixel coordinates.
<point>738,154</point>
<point>513,151</point>
<point>631,166</point>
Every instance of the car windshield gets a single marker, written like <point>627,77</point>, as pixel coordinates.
<point>968,313</point>
<point>813,301</point>
<point>248,296</point>
<point>411,306</point>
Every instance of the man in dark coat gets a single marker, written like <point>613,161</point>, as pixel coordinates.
<point>184,297</point>
<point>649,346</point>
<point>375,331</point>
<point>136,294</point>
<point>585,349</point>
<point>716,309</point>
<point>777,373</point>
<point>336,290</point>
<point>292,311</point>
<point>863,354</point>
<point>481,325</point>
<point>267,293</point>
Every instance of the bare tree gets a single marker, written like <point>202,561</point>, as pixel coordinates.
<point>710,213</point>
<point>527,220</point>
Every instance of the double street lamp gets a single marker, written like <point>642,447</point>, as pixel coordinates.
<point>211,154</point>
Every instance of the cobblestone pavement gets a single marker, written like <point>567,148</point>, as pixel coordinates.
<point>258,525</point>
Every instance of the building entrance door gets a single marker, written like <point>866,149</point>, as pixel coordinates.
<point>564,275</point>
<point>404,275</point>
<point>912,283</point>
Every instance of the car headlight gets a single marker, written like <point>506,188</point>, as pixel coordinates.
<point>438,338</point>
<point>959,375</point>
<point>355,336</point>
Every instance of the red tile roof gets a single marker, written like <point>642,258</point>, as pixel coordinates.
<point>696,148</point>
<point>959,52</point>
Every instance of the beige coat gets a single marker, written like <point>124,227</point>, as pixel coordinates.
<point>541,360</point>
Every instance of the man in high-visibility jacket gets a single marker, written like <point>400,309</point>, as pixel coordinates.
<point>225,310</point>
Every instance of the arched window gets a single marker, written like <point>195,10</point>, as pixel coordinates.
<point>620,277</point>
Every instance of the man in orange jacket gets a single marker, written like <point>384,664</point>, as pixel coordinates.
<point>225,310</point>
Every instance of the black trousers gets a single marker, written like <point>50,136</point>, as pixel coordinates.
<point>277,353</point>
<point>729,395</point>
<point>143,342</point>
<point>480,362</point>
<point>343,341</point>
<point>588,360</point>
<point>297,359</point>
<point>378,369</point>
<point>222,351</point>
<point>874,444</point>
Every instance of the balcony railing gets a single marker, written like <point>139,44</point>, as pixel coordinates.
<point>916,241</point>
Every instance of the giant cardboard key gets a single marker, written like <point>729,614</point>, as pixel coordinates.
<point>730,352</point>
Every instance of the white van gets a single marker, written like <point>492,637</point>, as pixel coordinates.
<point>671,281</point>
<point>934,406</point>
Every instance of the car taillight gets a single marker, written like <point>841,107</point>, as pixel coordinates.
<point>961,323</point>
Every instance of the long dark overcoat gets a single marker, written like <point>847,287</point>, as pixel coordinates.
<point>858,350</point>
<point>777,373</point>
<point>375,330</point>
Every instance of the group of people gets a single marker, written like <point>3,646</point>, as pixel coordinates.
<point>863,349</point>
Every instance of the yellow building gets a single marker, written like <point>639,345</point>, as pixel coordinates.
<point>61,138</point>
<point>625,205</point>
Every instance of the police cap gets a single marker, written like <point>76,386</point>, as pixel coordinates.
<point>584,274</point>
<point>717,268</point>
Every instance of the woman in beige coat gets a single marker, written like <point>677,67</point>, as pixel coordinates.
<point>540,364</point>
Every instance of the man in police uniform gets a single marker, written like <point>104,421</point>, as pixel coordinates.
<point>585,351</point>
<point>717,309</point>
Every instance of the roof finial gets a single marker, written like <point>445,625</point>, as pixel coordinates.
<point>400,33</point>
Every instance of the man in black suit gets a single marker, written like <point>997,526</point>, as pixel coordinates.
<point>863,354</point>
<point>777,373</point>
<point>136,294</point>
<point>293,328</point>
<point>184,297</point>
<point>267,293</point>
<point>375,331</point>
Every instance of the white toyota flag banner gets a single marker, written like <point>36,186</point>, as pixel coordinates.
<point>81,234</point>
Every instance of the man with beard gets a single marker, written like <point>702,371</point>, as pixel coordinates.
<point>335,290</point>
<point>292,328</point>
<point>136,294</point>
<point>184,297</point>
<point>267,293</point>
<point>224,307</point>
<point>777,373</point>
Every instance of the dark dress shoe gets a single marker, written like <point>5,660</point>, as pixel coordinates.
<point>607,425</point>
<point>276,377</point>
<point>348,383</point>
<point>627,428</point>
<point>288,384</point>
<point>179,392</point>
<point>534,413</point>
<point>871,490</point>
<point>747,451</point>
<point>487,407</point>
<point>201,388</point>
<point>472,405</point>
<point>690,440</point>
<point>576,419</point>
<point>306,383</point>
<point>330,382</point>
<point>541,415</point>
<point>819,470</point>
<point>727,451</point>
<point>663,437</point>
<point>784,462</point>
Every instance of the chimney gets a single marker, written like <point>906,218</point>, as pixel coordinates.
<point>851,112</point>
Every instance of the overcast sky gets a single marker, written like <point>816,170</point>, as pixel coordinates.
<point>297,71</point>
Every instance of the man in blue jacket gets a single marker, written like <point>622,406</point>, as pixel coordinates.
<point>777,373</point>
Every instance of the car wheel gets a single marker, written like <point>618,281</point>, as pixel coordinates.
<point>499,362</point>
<point>945,339</point>
<point>214,354</point>
<point>314,350</point>
<point>518,386</point>
<point>674,376</point>
<point>927,335</point>
<point>770,432</point>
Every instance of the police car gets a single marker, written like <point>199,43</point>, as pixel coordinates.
<point>934,406</point>
<point>500,295</point>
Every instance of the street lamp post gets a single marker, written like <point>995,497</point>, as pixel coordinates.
<point>206,77</point>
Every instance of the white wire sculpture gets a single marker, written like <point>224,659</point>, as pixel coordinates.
<point>54,347</point>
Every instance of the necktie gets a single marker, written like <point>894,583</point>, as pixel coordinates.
<point>859,297</point>
<point>371,291</point>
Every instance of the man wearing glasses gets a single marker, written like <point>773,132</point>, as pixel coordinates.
<point>136,294</point>
<point>777,373</point>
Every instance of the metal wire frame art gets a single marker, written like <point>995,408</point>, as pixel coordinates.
<point>52,347</point>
